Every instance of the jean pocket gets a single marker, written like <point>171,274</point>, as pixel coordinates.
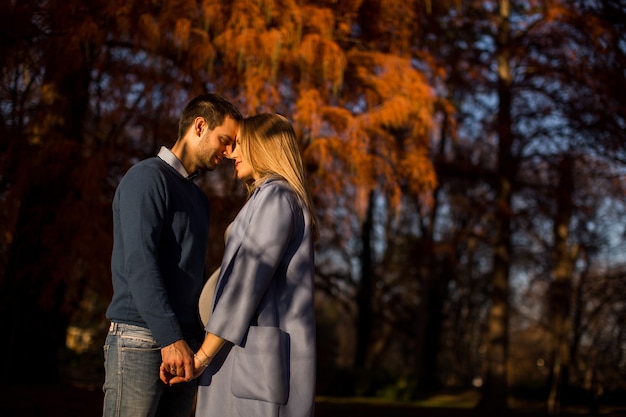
<point>261,367</point>
<point>137,339</point>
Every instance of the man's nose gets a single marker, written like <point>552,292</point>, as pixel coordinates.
<point>228,151</point>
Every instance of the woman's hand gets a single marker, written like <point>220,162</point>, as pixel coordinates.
<point>200,363</point>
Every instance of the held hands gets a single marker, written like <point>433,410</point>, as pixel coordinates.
<point>173,375</point>
<point>177,362</point>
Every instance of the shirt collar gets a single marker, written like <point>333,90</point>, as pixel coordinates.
<point>171,159</point>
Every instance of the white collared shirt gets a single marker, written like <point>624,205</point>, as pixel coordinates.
<point>167,156</point>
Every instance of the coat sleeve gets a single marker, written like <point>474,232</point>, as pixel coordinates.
<point>262,241</point>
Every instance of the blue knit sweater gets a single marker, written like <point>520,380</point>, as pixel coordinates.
<point>160,229</point>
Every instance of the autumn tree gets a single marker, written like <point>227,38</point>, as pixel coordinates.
<point>360,108</point>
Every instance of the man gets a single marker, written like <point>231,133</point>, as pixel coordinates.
<point>160,229</point>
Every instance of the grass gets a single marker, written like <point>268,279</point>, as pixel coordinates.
<point>446,404</point>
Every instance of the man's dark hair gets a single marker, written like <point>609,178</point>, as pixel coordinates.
<point>214,108</point>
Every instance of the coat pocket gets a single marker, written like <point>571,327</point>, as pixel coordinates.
<point>261,366</point>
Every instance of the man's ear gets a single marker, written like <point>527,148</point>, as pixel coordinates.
<point>198,125</point>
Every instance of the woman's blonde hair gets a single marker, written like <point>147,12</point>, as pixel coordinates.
<point>268,142</point>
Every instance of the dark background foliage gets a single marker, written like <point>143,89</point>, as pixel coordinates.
<point>466,160</point>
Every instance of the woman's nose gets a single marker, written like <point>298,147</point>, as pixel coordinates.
<point>230,152</point>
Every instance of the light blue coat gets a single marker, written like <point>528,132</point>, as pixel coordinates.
<point>263,307</point>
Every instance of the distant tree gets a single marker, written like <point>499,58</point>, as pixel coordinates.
<point>494,394</point>
<point>541,118</point>
<point>564,256</point>
<point>87,88</point>
<point>578,77</point>
<point>48,173</point>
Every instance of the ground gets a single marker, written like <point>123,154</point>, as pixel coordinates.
<point>69,401</point>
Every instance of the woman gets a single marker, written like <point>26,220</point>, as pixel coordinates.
<point>259,350</point>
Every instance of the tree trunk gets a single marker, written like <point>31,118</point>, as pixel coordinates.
<point>495,388</point>
<point>434,295</point>
<point>561,287</point>
<point>365,289</point>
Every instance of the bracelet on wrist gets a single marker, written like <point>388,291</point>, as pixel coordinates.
<point>204,363</point>
<point>207,358</point>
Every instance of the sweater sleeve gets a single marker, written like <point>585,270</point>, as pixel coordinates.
<point>142,211</point>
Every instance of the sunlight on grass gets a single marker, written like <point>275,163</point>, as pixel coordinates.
<point>462,400</point>
<point>465,399</point>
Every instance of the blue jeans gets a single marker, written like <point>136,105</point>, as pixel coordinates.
<point>132,387</point>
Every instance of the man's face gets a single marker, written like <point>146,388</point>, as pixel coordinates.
<point>216,144</point>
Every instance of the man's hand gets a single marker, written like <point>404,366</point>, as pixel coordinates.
<point>198,369</point>
<point>178,363</point>
<point>211,345</point>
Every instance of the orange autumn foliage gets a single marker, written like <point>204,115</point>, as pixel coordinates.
<point>362,108</point>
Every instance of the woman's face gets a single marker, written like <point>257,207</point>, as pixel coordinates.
<point>242,165</point>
